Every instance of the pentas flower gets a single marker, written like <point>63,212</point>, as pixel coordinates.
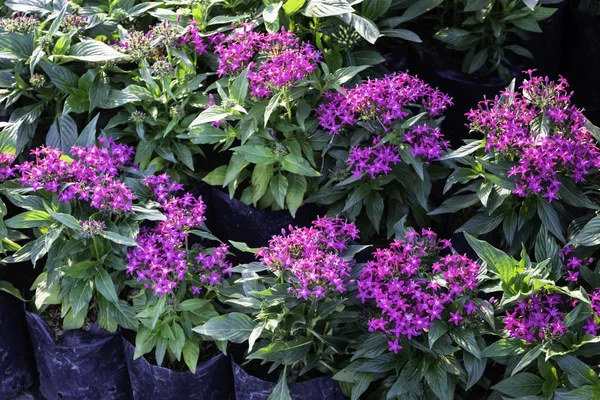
<point>426,142</point>
<point>313,256</point>
<point>572,263</point>
<point>91,176</point>
<point>136,44</point>
<point>162,186</point>
<point>6,171</point>
<point>380,101</point>
<point>538,317</point>
<point>410,289</point>
<point>73,22</point>
<point>542,132</point>
<point>161,259</point>
<point>277,60</point>
<point>592,327</point>
<point>19,23</point>
<point>374,160</point>
<point>91,227</point>
<point>212,269</point>
<point>192,35</point>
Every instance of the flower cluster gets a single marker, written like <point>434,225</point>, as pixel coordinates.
<point>537,317</point>
<point>212,268</point>
<point>161,259</point>
<point>284,59</point>
<point>6,171</point>
<point>313,256</point>
<point>374,160</point>
<point>592,327</point>
<point>91,176</point>
<point>37,80</point>
<point>19,23</point>
<point>426,142</point>
<point>572,263</point>
<point>161,186</point>
<point>192,36</point>
<point>411,290</point>
<point>380,101</point>
<point>542,131</point>
<point>91,227</point>
<point>73,22</point>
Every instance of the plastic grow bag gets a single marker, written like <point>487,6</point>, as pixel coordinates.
<point>80,365</point>
<point>16,357</point>
<point>248,387</point>
<point>212,381</point>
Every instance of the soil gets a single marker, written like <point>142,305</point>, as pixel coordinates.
<point>52,315</point>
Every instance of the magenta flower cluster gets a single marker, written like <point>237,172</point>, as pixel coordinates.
<point>6,169</point>
<point>277,60</point>
<point>572,263</point>
<point>313,256</point>
<point>91,176</point>
<point>73,22</point>
<point>380,101</point>
<point>401,282</point>
<point>591,327</point>
<point>374,160</point>
<point>19,23</point>
<point>542,132</point>
<point>426,142</point>
<point>161,260</point>
<point>537,317</point>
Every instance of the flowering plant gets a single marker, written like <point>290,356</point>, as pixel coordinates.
<point>420,303</point>
<point>544,325</point>
<point>533,162</point>
<point>296,312</point>
<point>83,217</point>
<point>178,282</point>
<point>383,136</point>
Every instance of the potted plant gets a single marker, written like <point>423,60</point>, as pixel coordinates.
<point>424,323</point>
<point>84,218</point>
<point>529,174</point>
<point>178,289</point>
<point>291,311</point>
<point>383,135</point>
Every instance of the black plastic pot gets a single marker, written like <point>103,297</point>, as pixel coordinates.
<point>212,381</point>
<point>248,387</point>
<point>17,369</point>
<point>80,365</point>
<point>581,59</point>
<point>230,219</point>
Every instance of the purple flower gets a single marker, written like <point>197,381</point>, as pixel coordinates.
<point>455,317</point>
<point>20,23</point>
<point>374,160</point>
<point>6,171</point>
<point>73,22</point>
<point>380,101</point>
<point>312,255</point>
<point>542,132</point>
<point>403,281</point>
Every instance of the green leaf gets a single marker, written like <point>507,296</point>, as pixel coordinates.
<point>62,134</point>
<point>343,75</point>
<point>550,219</point>
<point>273,104</point>
<point>261,176</point>
<point>374,8</point>
<point>84,269</point>
<point>286,353</point>
<point>365,27</point>
<point>117,98</point>
<point>191,353</point>
<point>358,195</point>
<point>94,51</point>
<point>497,261</point>
<point>404,34</point>
<point>61,77</point>
<point>475,368</point>
<point>455,203</point>
<point>243,247</point>
<point>478,61</point>
<point>367,57</point>
<point>80,295</point>
<point>118,238</point>
<point>256,154</point>
<point>271,12</point>
<point>295,194</point>
<point>216,177</point>
<point>239,88</point>
<point>437,378</point>
<point>438,330</point>
<point>520,385</point>
<point>476,5</point>
<point>104,284</point>
<point>281,390</point>
<point>528,358</point>
<point>589,235</point>
<point>416,9</point>
<point>293,6</point>
<point>298,165</point>
<point>374,205</point>
<point>504,347</point>
<point>577,371</point>
<point>8,287</point>
<point>527,24</point>
<point>279,187</point>
<point>88,135</point>
<point>327,8</point>
<point>463,151</point>
<point>233,327</point>
<point>67,220</point>
<point>466,340</point>
<point>29,219</point>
